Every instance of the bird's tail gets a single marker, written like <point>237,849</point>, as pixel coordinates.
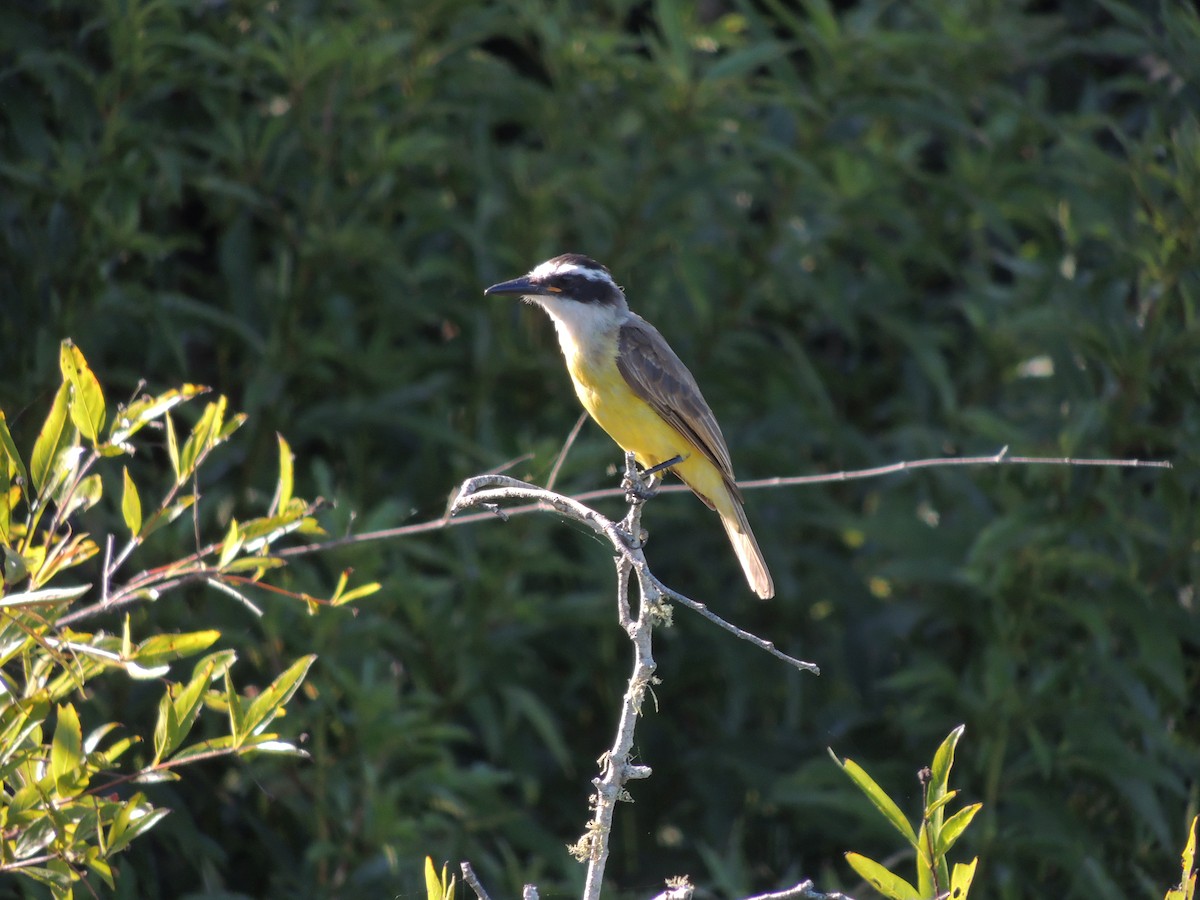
<point>737,526</point>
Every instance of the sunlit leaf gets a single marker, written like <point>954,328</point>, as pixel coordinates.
<point>943,760</point>
<point>879,797</point>
<point>165,647</point>
<point>57,435</point>
<point>954,826</point>
<point>131,419</point>
<point>269,703</point>
<point>172,447</point>
<point>87,399</point>
<point>8,450</point>
<point>283,490</point>
<point>231,545</point>
<point>882,879</point>
<point>961,878</point>
<point>66,751</point>
<point>131,505</point>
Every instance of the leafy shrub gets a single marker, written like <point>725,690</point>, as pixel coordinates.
<point>873,231</point>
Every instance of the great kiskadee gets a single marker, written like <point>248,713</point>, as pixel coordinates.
<point>635,387</point>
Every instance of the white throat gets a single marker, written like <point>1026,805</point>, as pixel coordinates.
<point>583,327</point>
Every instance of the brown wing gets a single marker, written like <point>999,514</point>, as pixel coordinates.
<point>657,375</point>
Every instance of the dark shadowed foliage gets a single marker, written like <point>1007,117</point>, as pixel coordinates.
<point>873,232</point>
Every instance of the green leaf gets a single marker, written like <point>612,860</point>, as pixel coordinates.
<point>164,647</point>
<point>203,437</point>
<point>45,595</point>
<point>961,878</point>
<point>225,745</point>
<point>57,435</point>
<point>943,761</point>
<point>66,751</point>
<point>270,702</point>
<point>86,495</point>
<point>283,490</point>
<point>173,447</point>
<point>141,412</point>
<point>94,863</point>
<point>953,828</point>
<point>166,729</point>
<point>231,545</point>
<point>876,795</point>
<point>237,712</point>
<point>131,505</point>
<point>8,450</point>
<point>135,819</point>
<point>363,590</point>
<point>87,401</point>
<point>883,880</point>
<point>188,699</point>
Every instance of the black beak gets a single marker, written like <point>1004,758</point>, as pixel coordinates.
<point>517,286</point>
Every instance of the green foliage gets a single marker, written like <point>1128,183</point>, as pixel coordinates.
<point>930,843</point>
<point>873,231</point>
<point>66,813</point>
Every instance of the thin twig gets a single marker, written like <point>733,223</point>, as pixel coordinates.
<point>803,890</point>
<point>768,646</point>
<point>616,769</point>
<point>447,521</point>
<point>490,489</point>
<point>472,879</point>
<point>566,448</point>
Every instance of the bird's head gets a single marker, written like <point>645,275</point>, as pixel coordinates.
<point>568,279</point>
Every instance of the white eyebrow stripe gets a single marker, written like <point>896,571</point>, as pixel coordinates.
<point>546,269</point>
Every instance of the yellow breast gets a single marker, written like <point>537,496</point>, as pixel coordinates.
<point>633,423</point>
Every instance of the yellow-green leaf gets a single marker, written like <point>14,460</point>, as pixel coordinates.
<point>166,729</point>
<point>283,490</point>
<point>1187,886</point>
<point>954,826</point>
<point>87,402</point>
<point>435,887</point>
<point>133,418</point>
<point>879,797</point>
<point>66,751</point>
<point>87,494</point>
<point>268,704</point>
<point>173,447</point>
<point>883,880</point>
<point>135,819</point>
<point>164,647</point>
<point>961,878</point>
<point>131,506</point>
<point>9,450</point>
<point>57,435</point>
<point>364,590</point>
<point>943,760</point>
<point>203,436</point>
<point>231,545</point>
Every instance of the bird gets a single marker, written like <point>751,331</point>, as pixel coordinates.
<point>636,388</point>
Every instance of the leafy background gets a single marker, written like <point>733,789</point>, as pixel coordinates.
<point>875,231</point>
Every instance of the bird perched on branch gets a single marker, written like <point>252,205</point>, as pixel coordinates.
<point>632,383</point>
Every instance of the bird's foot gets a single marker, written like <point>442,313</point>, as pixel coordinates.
<point>641,486</point>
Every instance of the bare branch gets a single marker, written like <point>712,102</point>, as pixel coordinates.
<point>566,448</point>
<point>804,890</point>
<point>472,879</point>
<point>1001,458</point>
<point>487,490</point>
